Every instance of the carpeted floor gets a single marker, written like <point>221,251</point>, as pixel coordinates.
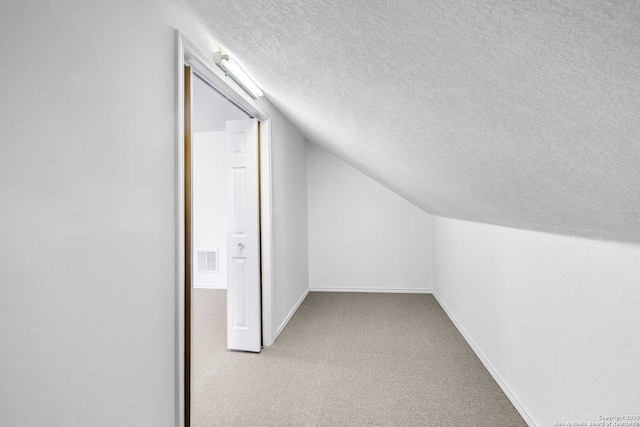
<point>345,359</point>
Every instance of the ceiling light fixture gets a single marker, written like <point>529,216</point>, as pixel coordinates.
<point>234,71</point>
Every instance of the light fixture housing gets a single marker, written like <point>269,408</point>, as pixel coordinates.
<point>234,71</point>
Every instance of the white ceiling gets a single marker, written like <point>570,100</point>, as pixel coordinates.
<point>524,114</point>
<point>211,110</point>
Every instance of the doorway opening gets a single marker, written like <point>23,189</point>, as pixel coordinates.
<point>213,119</point>
<point>223,221</point>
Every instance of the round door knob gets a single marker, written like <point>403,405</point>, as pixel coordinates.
<point>240,246</point>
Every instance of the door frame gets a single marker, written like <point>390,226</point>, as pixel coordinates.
<point>188,54</point>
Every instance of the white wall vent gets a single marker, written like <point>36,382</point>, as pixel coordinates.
<point>208,261</point>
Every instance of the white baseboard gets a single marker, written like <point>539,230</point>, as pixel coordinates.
<point>208,286</point>
<point>289,316</point>
<point>376,290</point>
<point>516,403</point>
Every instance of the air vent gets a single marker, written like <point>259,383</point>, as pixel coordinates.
<point>208,261</point>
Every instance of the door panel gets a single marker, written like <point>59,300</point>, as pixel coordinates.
<point>243,237</point>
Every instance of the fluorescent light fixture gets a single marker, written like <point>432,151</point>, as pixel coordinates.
<point>234,71</point>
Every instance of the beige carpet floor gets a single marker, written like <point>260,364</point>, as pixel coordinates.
<point>345,359</point>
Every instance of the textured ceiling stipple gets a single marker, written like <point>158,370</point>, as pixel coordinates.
<point>524,114</point>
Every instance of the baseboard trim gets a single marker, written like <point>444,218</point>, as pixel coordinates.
<point>208,286</point>
<point>289,316</point>
<point>507,391</point>
<point>376,290</point>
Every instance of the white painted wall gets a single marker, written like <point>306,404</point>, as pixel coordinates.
<point>362,236</point>
<point>87,211</point>
<point>556,317</point>
<point>87,214</point>
<point>289,198</point>
<point>209,205</point>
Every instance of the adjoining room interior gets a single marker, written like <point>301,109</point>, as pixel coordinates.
<point>453,213</point>
<point>210,113</point>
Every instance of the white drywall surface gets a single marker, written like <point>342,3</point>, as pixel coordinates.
<point>362,235</point>
<point>289,201</point>
<point>87,211</point>
<point>209,205</point>
<point>87,214</point>
<point>557,317</point>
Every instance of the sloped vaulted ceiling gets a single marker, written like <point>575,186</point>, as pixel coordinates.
<point>523,113</point>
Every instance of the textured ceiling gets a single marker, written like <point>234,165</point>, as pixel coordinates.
<point>523,114</point>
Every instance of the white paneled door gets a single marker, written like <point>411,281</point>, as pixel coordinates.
<point>243,237</point>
